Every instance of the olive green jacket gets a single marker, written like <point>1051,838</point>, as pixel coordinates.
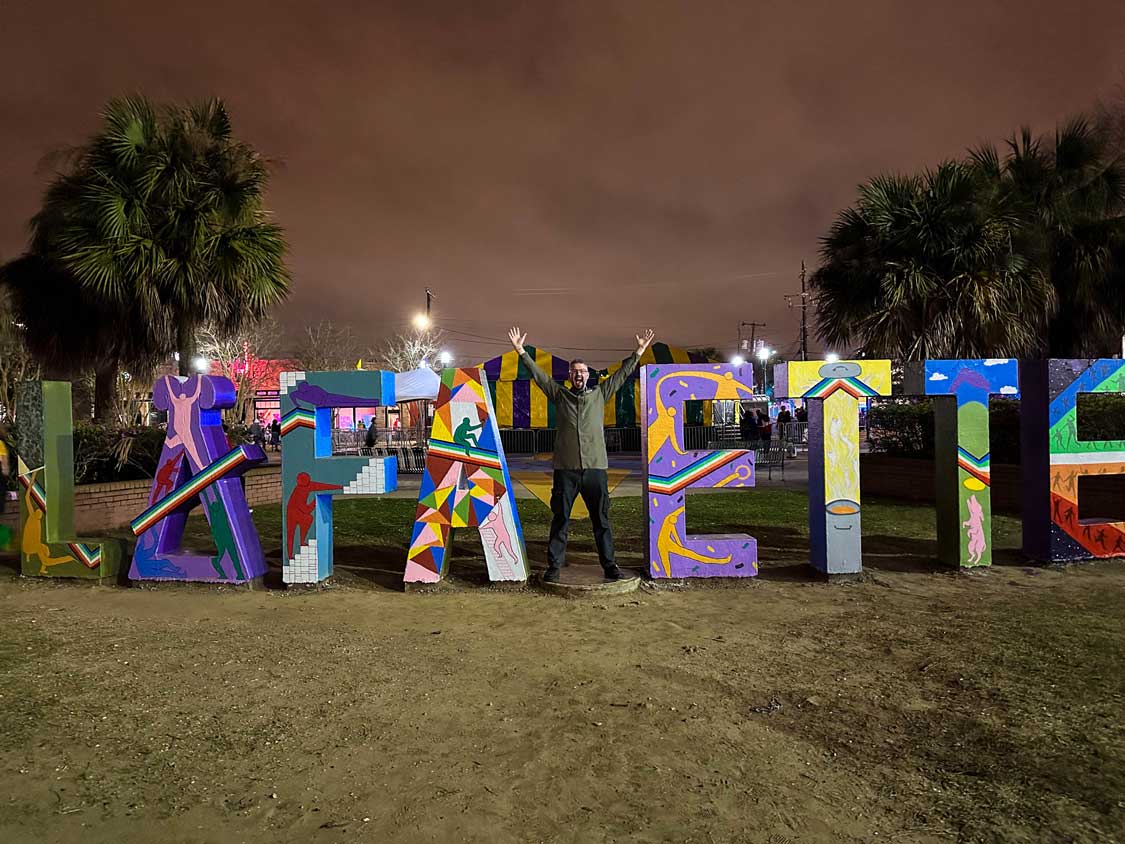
<point>579,417</point>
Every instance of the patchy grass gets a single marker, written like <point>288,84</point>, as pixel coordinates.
<point>375,532</point>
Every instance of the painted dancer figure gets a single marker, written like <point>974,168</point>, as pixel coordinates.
<point>464,436</point>
<point>299,510</point>
<point>580,457</point>
<point>34,540</point>
<point>975,524</point>
<point>494,532</point>
<point>181,427</point>
<point>164,481</point>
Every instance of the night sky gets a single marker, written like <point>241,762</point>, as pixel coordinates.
<point>581,169</point>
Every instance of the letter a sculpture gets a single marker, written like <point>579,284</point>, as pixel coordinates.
<point>465,484</point>
<point>196,467</point>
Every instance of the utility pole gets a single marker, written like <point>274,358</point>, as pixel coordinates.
<point>429,298</point>
<point>754,326</point>
<point>804,313</point>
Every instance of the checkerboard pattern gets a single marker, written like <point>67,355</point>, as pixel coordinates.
<point>289,381</point>
<point>303,567</point>
<point>372,479</point>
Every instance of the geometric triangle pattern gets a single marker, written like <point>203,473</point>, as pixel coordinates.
<point>465,484</point>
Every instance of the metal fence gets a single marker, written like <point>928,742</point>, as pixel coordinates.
<point>617,440</point>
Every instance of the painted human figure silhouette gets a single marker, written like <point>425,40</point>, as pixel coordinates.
<point>975,525</point>
<point>33,542</point>
<point>164,481</point>
<point>300,508</point>
<point>496,534</point>
<point>464,435</point>
<point>225,544</point>
<point>180,422</point>
<point>668,542</point>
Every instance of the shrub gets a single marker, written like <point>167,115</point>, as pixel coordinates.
<point>103,454</point>
<point>904,427</point>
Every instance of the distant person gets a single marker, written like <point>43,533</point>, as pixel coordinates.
<point>765,427</point>
<point>369,437</point>
<point>275,434</point>
<point>580,458</point>
<point>784,420</point>
<point>748,426</point>
<point>258,433</point>
<point>802,414</point>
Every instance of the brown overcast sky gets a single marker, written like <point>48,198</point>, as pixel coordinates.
<point>581,169</point>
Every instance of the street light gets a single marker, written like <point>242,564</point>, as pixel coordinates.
<point>422,322</point>
<point>831,357</point>
<point>764,354</point>
<point>446,358</point>
<point>738,360</point>
<point>201,364</point>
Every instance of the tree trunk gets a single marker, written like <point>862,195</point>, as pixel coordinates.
<point>185,342</point>
<point>105,394</point>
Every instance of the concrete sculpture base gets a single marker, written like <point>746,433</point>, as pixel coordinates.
<point>588,581</point>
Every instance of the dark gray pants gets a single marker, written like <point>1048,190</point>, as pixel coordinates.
<point>593,486</point>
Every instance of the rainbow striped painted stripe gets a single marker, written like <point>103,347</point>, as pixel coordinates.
<point>852,386</point>
<point>466,454</point>
<point>216,471</point>
<point>298,418</point>
<point>690,474</point>
<point>977,467</point>
<point>89,555</point>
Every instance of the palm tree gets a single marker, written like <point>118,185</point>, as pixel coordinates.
<point>161,219</point>
<point>930,266</point>
<point>1070,190</point>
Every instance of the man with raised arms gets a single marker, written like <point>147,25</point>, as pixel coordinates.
<point>580,458</point>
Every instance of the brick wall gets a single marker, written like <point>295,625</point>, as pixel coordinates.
<point>117,504</point>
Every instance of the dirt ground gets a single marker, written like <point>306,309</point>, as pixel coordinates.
<point>907,707</point>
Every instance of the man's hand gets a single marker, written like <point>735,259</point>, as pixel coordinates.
<point>643,341</point>
<point>518,339</point>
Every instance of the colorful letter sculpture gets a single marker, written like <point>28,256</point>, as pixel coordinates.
<point>672,471</point>
<point>834,390</point>
<point>48,545</point>
<point>196,467</point>
<point>311,476</point>
<point>465,484</point>
<point>1055,459</point>
<point>961,461</point>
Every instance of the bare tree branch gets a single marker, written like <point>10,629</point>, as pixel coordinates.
<point>327,347</point>
<point>412,350</point>
<point>243,357</point>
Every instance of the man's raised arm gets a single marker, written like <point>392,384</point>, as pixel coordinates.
<point>617,379</point>
<point>548,386</point>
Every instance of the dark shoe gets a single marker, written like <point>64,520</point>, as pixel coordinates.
<point>550,576</point>
<point>614,573</point>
